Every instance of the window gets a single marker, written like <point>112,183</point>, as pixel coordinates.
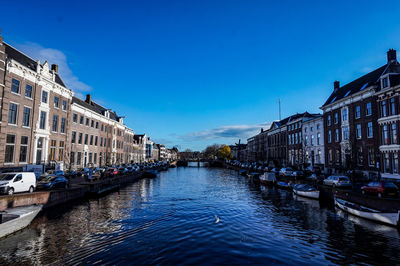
<point>79,158</point>
<point>28,91</point>
<point>91,139</point>
<point>102,127</point>
<point>330,156</point>
<point>318,126</point>
<point>345,133</point>
<point>358,111</point>
<point>386,163</point>
<point>329,120</point>
<point>371,156</point>
<point>26,117</point>
<point>344,114</point>
<point>80,138</point>
<point>44,96</point>
<point>370,132</point>
<point>23,149</point>
<point>56,102</point>
<point>95,158</point>
<point>10,146</point>
<point>392,106</point>
<point>87,121</point>
<point>86,139</point>
<point>385,136</point>
<point>13,114</point>
<point>74,118</point>
<point>337,135</point>
<point>358,131</point>
<point>61,151</point>
<point>101,141</point>
<point>52,155</point>
<point>336,118</point>
<point>368,110</point>
<point>311,129</point>
<point>329,136</point>
<point>15,86</point>
<point>42,124</point>
<point>90,157</point>
<point>62,126</point>
<point>337,156</point>
<point>72,158</point>
<point>383,108</point>
<point>385,82</point>
<point>360,159</point>
<point>97,124</point>
<point>393,134</point>
<point>395,163</point>
<point>73,137</point>
<point>319,156</point>
<point>92,124</point>
<point>95,141</point>
<point>306,141</point>
<point>299,137</point>
<point>312,140</point>
<point>64,105</point>
<point>81,120</point>
<point>54,127</point>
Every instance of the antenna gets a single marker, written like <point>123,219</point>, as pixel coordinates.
<point>279,101</point>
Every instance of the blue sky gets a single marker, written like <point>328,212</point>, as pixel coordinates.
<point>193,73</point>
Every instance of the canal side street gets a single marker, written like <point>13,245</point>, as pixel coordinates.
<point>171,220</point>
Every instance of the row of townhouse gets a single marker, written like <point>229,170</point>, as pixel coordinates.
<point>42,122</point>
<point>358,129</point>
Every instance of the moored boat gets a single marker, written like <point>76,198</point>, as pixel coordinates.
<point>305,190</point>
<point>15,219</point>
<point>254,176</point>
<point>243,172</point>
<point>283,185</point>
<point>268,178</point>
<point>150,173</point>
<point>390,218</point>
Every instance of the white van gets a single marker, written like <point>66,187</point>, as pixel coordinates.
<point>11,183</point>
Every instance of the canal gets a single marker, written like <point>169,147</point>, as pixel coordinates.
<point>171,219</point>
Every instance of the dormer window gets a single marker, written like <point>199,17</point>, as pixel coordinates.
<point>385,82</point>
<point>107,114</point>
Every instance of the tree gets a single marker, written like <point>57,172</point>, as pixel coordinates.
<point>224,152</point>
<point>211,151</point>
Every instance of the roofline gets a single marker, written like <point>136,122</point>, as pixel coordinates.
<point>21,52</point>
<point>348,97</point>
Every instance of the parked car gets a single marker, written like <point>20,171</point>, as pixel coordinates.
<point>11,183</point>
<point>286,171</point>
<point>337,181</point>
<point>381,189</point>
<point>52,182</point>
<point>123,171</point>
<point>111,172</point>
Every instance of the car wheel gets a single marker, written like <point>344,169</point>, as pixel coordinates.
<point>379,195</point>
<point>10,191</point>
<point>31,189</point>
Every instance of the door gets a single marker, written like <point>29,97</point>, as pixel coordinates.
<point>18,184</point>
<point>39,151</point>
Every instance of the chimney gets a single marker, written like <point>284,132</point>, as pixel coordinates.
<point>262,130</point>
<point>391,56</point>
<point>239,141</point>
<point>88,99</point>
<point>54,67</point>
<point>336,85</point>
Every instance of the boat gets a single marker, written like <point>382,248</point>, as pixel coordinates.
<point>254,176</point>
<point>17,218</point>
<point>390,218</point>
<point>243,172</point>
<point>283,185</point>
<point>305,190</point>
<point>150,173</point>
<point>268,178</point>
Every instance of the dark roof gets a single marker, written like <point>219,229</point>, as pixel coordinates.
<point>291,118</point>
<point>26,61</point>
<point>95,107</point>
<point>361,83</point>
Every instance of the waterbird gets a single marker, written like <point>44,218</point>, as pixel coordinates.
<point>216,219</point>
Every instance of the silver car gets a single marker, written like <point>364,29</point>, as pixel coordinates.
<point>337,181</point>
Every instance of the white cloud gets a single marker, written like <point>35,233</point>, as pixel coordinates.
<point>54,56</point>
<point>226,132</point>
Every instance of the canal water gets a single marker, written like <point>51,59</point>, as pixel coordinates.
<point>171,219</point>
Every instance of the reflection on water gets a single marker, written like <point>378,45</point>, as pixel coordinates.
<point>170,219</point>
